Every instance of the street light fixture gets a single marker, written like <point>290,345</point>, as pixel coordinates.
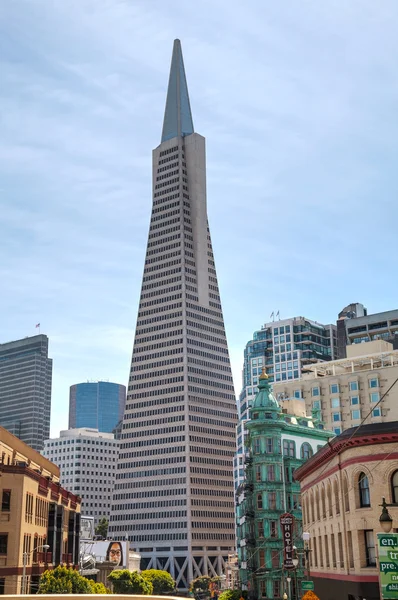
<point>25,557</point>
<point>385,519</point>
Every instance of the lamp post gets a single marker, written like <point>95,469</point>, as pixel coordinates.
<point>295,562</point>
<point>25,558</point>
<point>289,579</point>
<point>385,519</point>
<point>306,539</point>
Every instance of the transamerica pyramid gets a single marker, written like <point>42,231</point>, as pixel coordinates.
<point>174,496</point>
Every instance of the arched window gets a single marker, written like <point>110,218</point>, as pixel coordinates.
<point>330,502</point>
<point>259,501</point>
<point>336,497</point>
<point>306,451</point>
<point>345,494</point>
<point>394,487</point>
<point>323,502</point>
<point>364,493</point>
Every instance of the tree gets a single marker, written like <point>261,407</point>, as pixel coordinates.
<point>201,586</point>
<point>129,582</point>
<point>102,528</point>
<point>162,581</point>
<point>62,580</point>
<point>232,595</point>
<point>310,596</point>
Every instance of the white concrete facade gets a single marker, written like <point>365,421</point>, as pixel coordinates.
<point>87,460</point>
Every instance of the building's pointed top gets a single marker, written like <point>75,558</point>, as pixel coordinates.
<point>177,116</point>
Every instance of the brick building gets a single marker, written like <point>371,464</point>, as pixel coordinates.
<point>35,511</point>
<point>342,487</point>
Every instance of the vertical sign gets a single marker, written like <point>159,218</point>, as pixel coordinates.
<point>287,525</point>
<point>388,565</point>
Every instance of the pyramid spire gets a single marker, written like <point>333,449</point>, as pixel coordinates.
<point>177,116</point>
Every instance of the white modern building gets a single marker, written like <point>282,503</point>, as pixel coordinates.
<point>87,460</point>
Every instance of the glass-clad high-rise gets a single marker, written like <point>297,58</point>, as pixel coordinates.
<point>173,495</point>
<point>96,405</point>
<point>25,389</point>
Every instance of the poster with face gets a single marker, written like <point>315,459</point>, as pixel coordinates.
<point>112,551</point>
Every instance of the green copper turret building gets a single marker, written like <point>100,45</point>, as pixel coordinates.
<point>277,444</point>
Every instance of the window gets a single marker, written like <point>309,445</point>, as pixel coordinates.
<point>273,529</point>
<point>364,494</point>
<point>256,446</point>
<point>353,385</point>
<point>376,412</point>
<point>2,585</point>
<point>316,405</point>
<point>337,430</point>
<point>6,500</point>
<point>272,500</point>
<point>277,588</point>
<point>259,500</point>
<point>374,396</point>
<point>335,402</point>
<point>355,415</point>
<point>394,487</point>
<point>271,472</point>
<point>260,529</point>
<point>3,543</point>
<point>370,548</point>
<point>258,472</point>
<point>315,391</point>
<point>288,448</point>
<point>336,417</point>
<point>374,382</point>
<point>275,559</point>
<point>354,400</point>
<point>306,451</point>
<point>334,388</point>
<point>268,445</point>
<point>297,394</point>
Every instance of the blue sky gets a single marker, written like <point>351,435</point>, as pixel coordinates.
<point>298,103</point>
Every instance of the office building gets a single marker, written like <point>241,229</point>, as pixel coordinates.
<point>96,405</point>
<point>342,488</point>
<point>349,389</point>
<point>87,460</point>
<point>285,347</point>
<point>174,488</point>
<point>25,389</point>
<point>279,443</point>
<point>356,326</point>
<point>35,510</point>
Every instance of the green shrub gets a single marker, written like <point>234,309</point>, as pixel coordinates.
<point>232,595</point>
<point>162,581</point>
<point>98,588</point>
<point>62,580</point>
<point>129,582</point>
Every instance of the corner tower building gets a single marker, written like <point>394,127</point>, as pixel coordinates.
<point>174,495</point>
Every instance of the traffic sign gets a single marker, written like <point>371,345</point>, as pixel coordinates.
<point>307,585</point>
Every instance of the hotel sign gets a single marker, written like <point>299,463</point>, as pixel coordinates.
<point>287,526</point>
<point>388,565</point>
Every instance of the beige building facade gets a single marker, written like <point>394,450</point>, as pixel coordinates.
<point>35,511</point>
<point>347,390</point>
<point>342,487</point>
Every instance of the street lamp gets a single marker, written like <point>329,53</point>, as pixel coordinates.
<point>25,557</point>
<point>385,519</point>
<point>289,579</point>
<point>306,538</point>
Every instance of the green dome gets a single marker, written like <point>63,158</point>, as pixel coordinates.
<point>265,397</point>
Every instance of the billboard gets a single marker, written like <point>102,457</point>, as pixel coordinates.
<point>287,525</point>
<point>388,564</point>
<point>86,527</point>
<point>114,552</point>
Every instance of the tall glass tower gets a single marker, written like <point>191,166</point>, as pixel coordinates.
<point>173,495</point>
<point>25,389</point>
<point>97,405</point>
